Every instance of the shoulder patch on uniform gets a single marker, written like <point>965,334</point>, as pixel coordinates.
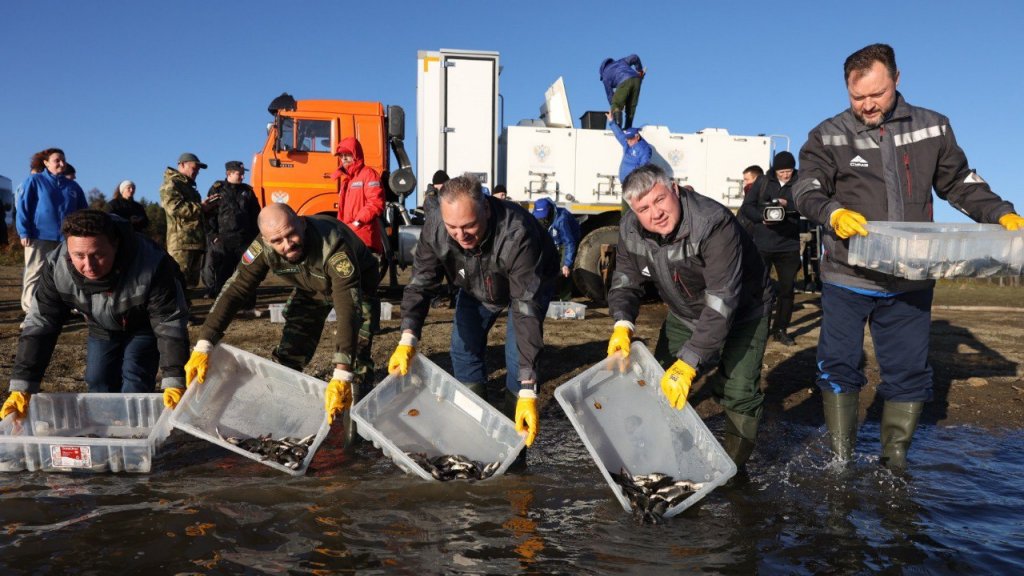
<point>252,252</point>
<point>341,264</point>
<point>218,183</point>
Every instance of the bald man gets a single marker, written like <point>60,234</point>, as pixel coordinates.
<point>328,266</point>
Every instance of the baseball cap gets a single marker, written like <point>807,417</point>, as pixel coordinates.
<point>234,165</point>
<point>631,132</point>
<point>542,209</point>
<point>190,157</point>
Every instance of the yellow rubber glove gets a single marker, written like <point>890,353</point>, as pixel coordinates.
<point>17,404</point>
<point>675,384</point>
<point>339,394</point>
<point>402,356</point>
<point>198,362</point>
<point>1012,221</point>
<point>172,396</point>
<point>846,223</point>
<point>526,417</point>
<point>622,335</point>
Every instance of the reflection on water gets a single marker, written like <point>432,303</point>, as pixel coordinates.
<point>208,511</point>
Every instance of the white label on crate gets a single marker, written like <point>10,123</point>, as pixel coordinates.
<point>71,456</point>
<point>468,406</point>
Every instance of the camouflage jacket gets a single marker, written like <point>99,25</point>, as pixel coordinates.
<point>183,205</point>
<point>337,267</point>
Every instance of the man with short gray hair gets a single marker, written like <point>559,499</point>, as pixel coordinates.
<point>709,272</point>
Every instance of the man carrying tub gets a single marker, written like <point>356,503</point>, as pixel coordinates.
<point>880,160</point>
<point>126,287</point>
<point>709,272</point>
<point>498,256</point>
<point>327,265</point>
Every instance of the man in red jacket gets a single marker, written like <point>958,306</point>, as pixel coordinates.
<point>361,201</point>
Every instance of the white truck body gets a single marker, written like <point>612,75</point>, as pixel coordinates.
<point>456,114</point>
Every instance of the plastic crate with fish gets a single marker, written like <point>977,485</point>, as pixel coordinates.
<point>430,414</point>
<point>627,425</point>
<point>921,250</point>
<point>562,310</point>
<point>95,432</point>
<point>256,408</point>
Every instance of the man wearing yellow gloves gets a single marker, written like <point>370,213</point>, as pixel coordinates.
<point>710,274</point>
<point>879,161</point>
<point>498,255</point>
<point>327,265</point>
<point>125,286</point>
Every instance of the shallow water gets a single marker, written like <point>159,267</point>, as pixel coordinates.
<point>205,510</point>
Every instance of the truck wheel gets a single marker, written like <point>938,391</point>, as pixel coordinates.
<point>589,273</point>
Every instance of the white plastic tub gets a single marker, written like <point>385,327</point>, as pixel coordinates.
<point>85,432</point>
<point>920,250</point>
<point>562,310</point>
<point>430,412</point>
<point>246,396</point>
<point>626,422</point>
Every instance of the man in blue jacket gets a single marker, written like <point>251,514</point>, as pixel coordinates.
<point>621,79</point>
<point>565,232</point>
<point>635,150</point>
<point>45,199</point>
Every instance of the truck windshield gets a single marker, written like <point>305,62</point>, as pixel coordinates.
<point>303,135</point>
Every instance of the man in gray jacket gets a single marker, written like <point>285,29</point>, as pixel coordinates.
<point>879,160</point>
<point>709,272</point>
<point>127,288</point>
<point>498,256</point>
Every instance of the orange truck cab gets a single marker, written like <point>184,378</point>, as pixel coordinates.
<point>297,161</point>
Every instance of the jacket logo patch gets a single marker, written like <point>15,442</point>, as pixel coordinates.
<point>462,273</point>
<point>858,162</point>
<point>973,178</point>
<point>253,252</point>
<point>341,264</point>
<point>646,272</point>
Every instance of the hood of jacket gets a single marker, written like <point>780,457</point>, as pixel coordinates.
<point>349,146</point>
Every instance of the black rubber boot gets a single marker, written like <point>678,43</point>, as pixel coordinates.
<point>740,437</point>
<point>841,411</point>
<point>899,420</point>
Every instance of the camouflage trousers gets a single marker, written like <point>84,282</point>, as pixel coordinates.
<point>304,317</point>
<point>191,264</point>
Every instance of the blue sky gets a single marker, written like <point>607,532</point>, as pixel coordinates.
<point>124,87</point>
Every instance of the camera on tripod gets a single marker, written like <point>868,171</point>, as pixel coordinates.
<point>774,212</point>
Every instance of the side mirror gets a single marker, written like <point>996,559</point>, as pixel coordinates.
<point>396,123</point>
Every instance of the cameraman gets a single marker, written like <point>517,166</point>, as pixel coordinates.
<point>769,205</point>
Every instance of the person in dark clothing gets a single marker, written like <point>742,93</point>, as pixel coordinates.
<point>124,205</point>
<point>707,270</point>
<point>500,257</point>
<point>230,227</point>
<point>879,160</point>
<point>778,240</point>
<point>446,299</point>
<point>128,290</point>
<point>621,79</point>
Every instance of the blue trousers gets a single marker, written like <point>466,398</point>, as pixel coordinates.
<point>124,363</point>
<point>473,321</point>
<point>900,330</point>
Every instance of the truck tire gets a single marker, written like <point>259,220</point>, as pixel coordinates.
<point>587,273</point>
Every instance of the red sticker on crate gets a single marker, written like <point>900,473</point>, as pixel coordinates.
<point>71,456</point>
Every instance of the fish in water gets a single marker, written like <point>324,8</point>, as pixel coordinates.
<point>286,451</point>
<point>651,495</point>
<point>454,467</point>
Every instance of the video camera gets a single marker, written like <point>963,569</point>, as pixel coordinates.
<point>774,212</point>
